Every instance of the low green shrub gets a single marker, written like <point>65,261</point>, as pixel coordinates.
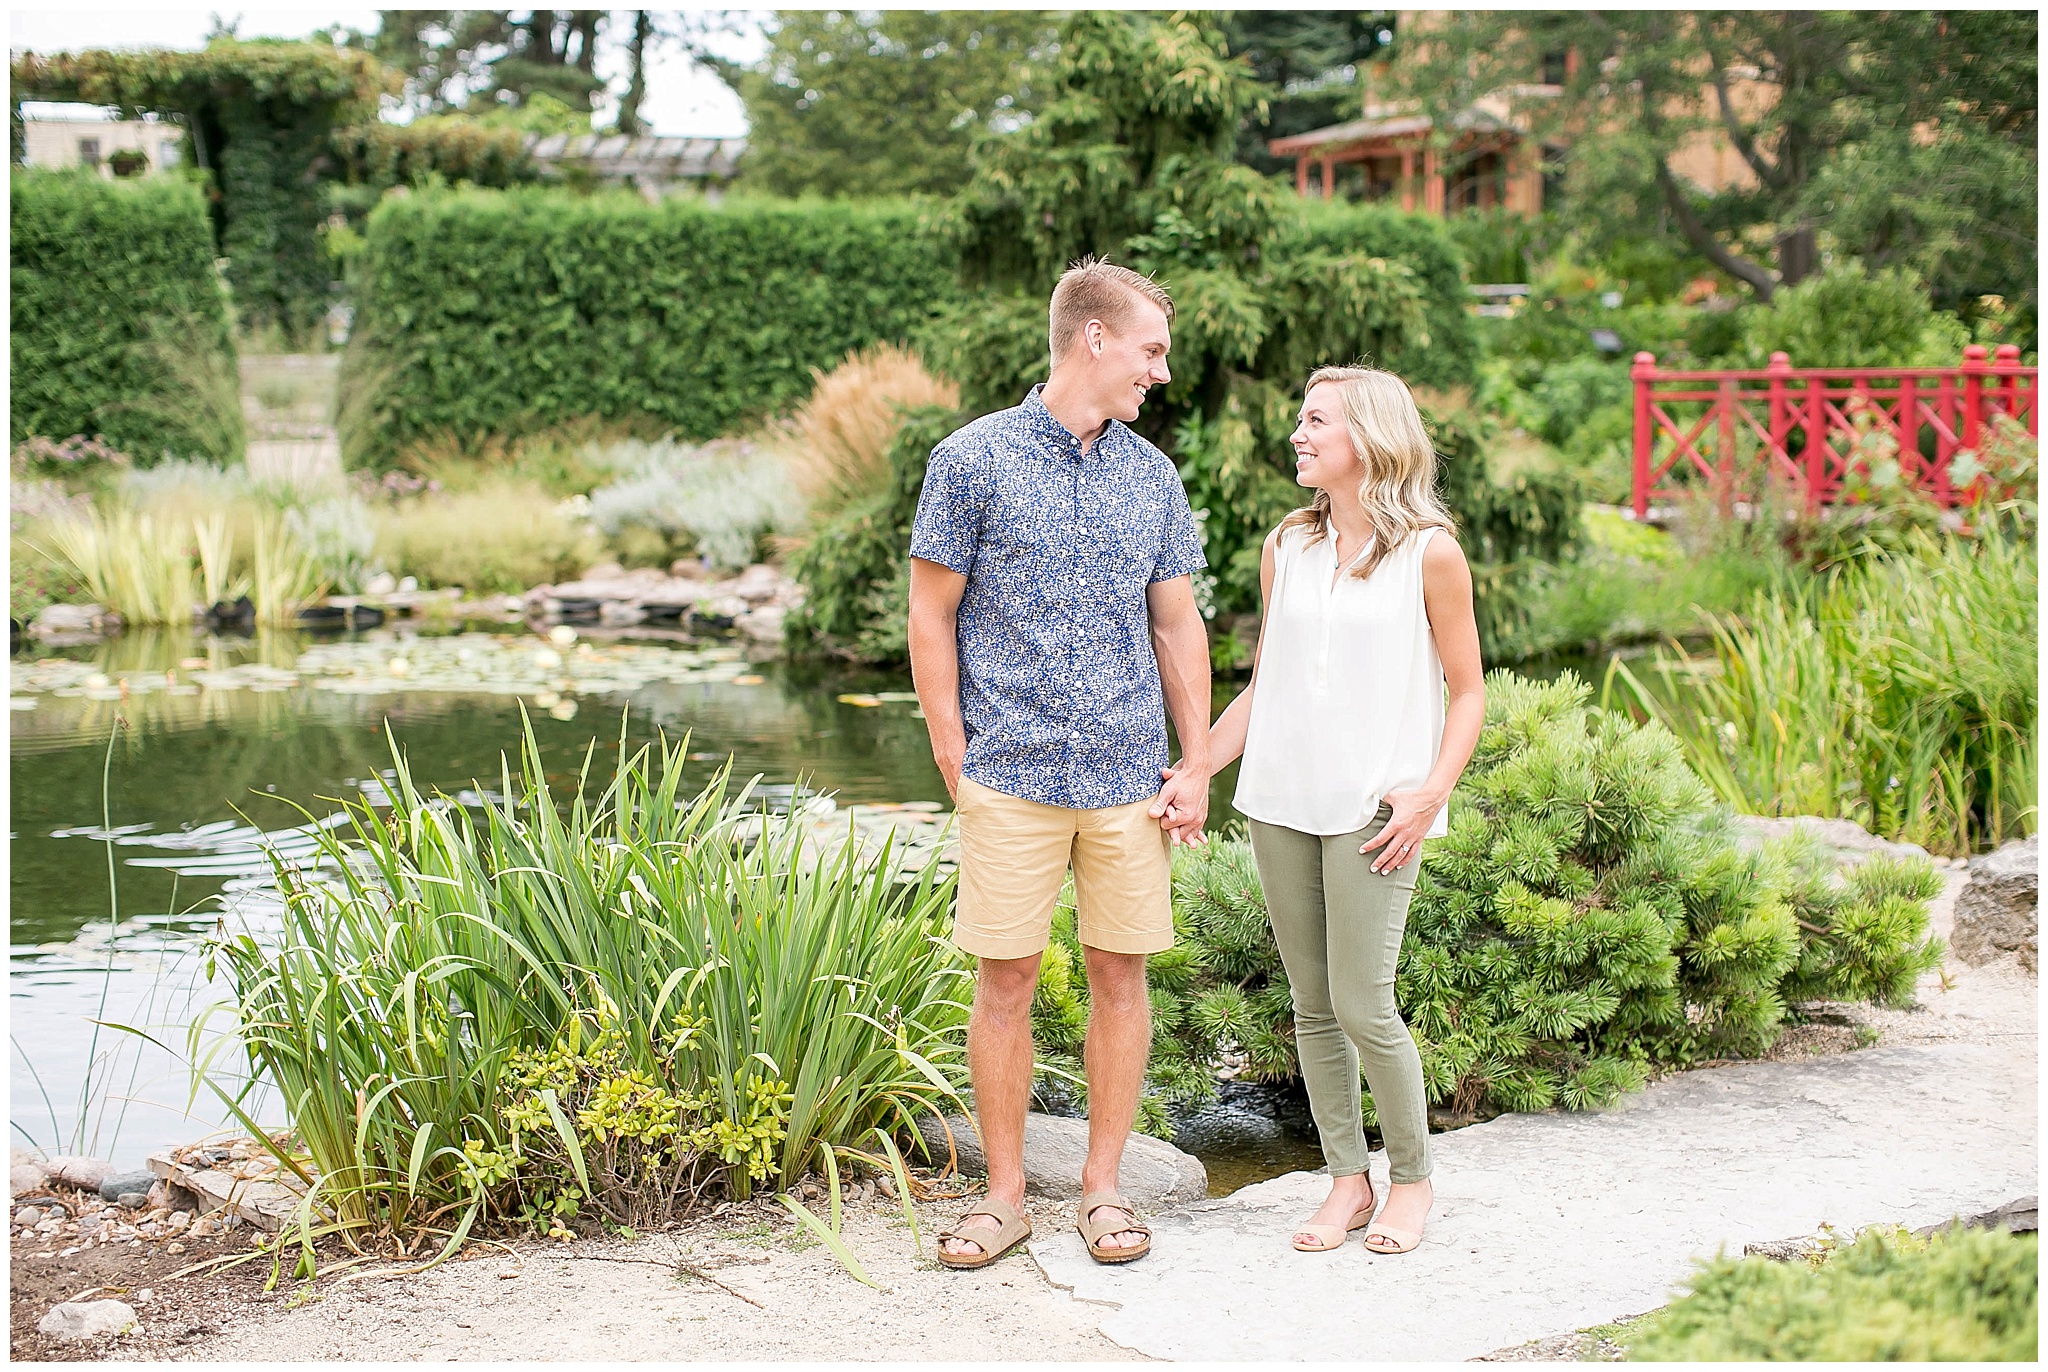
<point>483,312</point>
<point>1589,918</point>
<point>1959,1296</point>
<point>119,324</point>
<point>1848,316</point>
<point>629,1001</point>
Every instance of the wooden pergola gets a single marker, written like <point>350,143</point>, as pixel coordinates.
<point>1492,162</point>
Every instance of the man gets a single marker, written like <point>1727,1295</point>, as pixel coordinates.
<point>1050,605</point>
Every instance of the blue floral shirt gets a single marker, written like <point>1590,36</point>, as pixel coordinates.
<point>1059,688</point>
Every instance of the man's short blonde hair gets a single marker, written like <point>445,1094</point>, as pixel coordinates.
<point>1097,289</point>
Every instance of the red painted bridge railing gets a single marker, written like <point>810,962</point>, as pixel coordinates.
<point>1807,429</point>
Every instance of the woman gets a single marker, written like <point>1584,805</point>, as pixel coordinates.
<point>1350,753</point>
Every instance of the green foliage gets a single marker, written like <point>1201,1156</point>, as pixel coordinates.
<point>1963,1295</point>
<point>1631,583</point>
<point>1588,918</point>
<point>261,115</point>
<point>1513,527</point>
<point>1849,317</point>
<point>888,102</point>
<point>1131,155</point>
<point>119,325</point>
<point>1898,690</point>
<point>744,1005</point>
<point>1897,138</point>
<point>1312,63</point>
<point>453,147</point>
<point>504,312</point>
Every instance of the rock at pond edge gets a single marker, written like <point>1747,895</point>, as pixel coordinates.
<point>1154,1175</point>
<point>86,1320</point>
<point>1998,913</point>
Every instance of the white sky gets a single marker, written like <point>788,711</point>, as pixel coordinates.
<point>682,98</point>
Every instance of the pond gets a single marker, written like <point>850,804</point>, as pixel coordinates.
<point>144,767</point>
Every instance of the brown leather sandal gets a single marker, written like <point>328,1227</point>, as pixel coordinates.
<point>994,1243</point>
<point>1093,1233</point>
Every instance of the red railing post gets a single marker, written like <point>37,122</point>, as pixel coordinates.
<point>1907,430</point>
<point>1724,437</point>
<point>1781,414</point>
<point>2008,368</point>
<point>1816,443</point>
<point>1974,369</point>
<point>1645,367</point>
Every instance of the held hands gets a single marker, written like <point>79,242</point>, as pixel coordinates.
<point>1414,812</point>
<point>1182,807</point>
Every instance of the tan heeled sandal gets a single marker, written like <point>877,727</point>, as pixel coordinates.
<point>1401,1240</point>
<point>1329,1237</point>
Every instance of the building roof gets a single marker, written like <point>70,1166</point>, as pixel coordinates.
<point>1386,126</point>
<point>648,158</point>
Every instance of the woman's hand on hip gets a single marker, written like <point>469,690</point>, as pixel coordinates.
<point>1401,839</point>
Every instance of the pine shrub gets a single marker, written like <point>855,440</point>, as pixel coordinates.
<point>1589,918</point>
<point>1959,1296</point>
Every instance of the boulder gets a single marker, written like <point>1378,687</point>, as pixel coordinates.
<point>84,1173</point>
<point>1851,842</point>
<point>1154,1175</point>
<point>763,623</point>
<point>24,1174</point>
<point>1998,913</point>
<point>115,1185</point>
<point>757,583</point>
<point>87,1320</point>
<point>74,619</point>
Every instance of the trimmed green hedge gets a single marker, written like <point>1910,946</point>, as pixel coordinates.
<point>487,312</point>
<point>120,324</point>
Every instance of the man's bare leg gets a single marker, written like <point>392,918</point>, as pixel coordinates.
<point>1119,1044</point>
<point>999,1060</point>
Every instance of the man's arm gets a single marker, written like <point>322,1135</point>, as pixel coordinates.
<point>935,592</point>
<point>1181,643</point>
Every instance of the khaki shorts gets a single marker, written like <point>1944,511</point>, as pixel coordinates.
<point>1014,856</point>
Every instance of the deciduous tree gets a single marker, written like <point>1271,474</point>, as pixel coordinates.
<point>882,102</point>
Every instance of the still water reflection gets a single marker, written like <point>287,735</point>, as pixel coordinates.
<point>136,763</point>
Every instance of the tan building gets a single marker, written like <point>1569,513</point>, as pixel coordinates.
<point>116,147</point>
<point>1492,159</point>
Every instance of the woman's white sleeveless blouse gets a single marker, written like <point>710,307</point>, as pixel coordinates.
<point>1350,697</point>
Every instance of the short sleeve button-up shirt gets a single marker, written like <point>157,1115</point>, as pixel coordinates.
<point>1059,688</point>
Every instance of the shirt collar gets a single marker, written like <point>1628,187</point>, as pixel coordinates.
<point>1043,422</point>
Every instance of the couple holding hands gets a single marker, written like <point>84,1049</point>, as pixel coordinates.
<point>1053,626</point>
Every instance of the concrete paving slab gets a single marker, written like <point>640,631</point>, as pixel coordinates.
<point>1552,1222</point>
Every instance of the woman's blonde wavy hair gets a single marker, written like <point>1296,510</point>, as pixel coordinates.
<point>1398,494</point>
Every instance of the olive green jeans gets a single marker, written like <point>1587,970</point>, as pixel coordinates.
<point>1339,926</point>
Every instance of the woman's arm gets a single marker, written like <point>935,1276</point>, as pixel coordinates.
<point>1447,598</point>
<point>1227,734</point>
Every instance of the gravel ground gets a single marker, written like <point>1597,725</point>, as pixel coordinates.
<point>744,1285</point>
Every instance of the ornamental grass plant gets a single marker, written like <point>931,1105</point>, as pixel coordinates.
<point>1899,691</point>
<point>607,1003</point>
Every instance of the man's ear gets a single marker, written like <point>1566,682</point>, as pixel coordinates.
<point>1096,336</point>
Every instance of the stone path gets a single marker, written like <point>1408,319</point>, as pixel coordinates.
<point>288,405</point>
<point>1547,1223</point>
